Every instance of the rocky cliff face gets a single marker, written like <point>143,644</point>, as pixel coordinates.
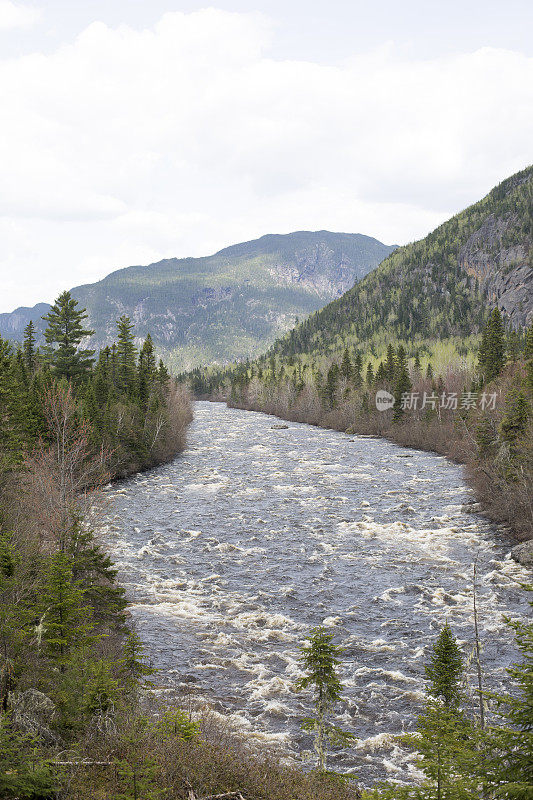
<point>502,265</point>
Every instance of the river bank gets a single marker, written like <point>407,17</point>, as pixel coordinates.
<point>499,473</point>
<point>230,554</point>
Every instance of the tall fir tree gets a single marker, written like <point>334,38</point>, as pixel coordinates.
<point>491,357</point>
<point>28,348</point>
<point>126,357</point>
<point>64,333</point>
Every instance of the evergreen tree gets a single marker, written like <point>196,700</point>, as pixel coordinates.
<point>147,372</point>
<point>65,617</point>
<point>163,375</point>
<point>528,357</point>
<point>320,659</point>
<point>390,364</point>
<point>381,374</point>
<point>369,375</point>
<point>444,738</point>
<point>24,773</point>
<point>11,405</point>
<point>511,745</point>
<point>64,334</point>
<point>330,388</point>
<point>445,669</point>
<point>126,357</point>
<point>492,350</point>
<point>515,419</point>
<point>403,386</point>
<point>28,348</point>
<point>357,368</point>
<point>346,366</point>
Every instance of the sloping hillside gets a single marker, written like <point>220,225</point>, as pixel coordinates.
<point>227,306</point>
<point>440,286</point>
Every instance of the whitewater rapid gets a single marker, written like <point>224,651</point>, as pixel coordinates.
<point>255,534</point>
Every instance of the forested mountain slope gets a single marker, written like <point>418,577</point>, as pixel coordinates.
<point>440,286</point>
<point>226,306</point>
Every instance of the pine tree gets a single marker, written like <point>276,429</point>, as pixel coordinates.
<point>320,660</point>
<point>64,334</point>
<point>369,375</point>
<point>126,357</point>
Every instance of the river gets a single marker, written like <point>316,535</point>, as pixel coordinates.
<point>255,534</point>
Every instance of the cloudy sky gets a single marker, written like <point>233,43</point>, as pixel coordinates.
<point>133,130</point>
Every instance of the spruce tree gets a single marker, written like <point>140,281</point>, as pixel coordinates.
<point>146,372</point>
<point>491,355</point>
<point>403,386</point>
<point>65,616</point>
<point>515,419</point>
<point>445,669</point>
<point>11,405</point>
<point>126,357</point>
<point>64,334</point>
<point>390,364</point>
<point>320,659</point>
<point>511,745</point>
<point>346,366</point>
<point>28,348</point>
<point>444,738</point>
<point>330,388</point>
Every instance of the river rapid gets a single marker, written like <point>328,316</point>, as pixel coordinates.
<point>255,534</point>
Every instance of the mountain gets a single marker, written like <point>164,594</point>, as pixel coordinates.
<point>226,306</point>
<point>439,287</point>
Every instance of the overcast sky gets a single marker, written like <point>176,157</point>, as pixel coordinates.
<point>134,130</point>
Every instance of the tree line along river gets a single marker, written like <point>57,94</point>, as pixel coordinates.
<point>233,551</point>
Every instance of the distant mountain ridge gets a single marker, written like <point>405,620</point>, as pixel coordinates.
<point>223,307</point>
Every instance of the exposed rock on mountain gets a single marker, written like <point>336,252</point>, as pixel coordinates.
<point>227,306</point>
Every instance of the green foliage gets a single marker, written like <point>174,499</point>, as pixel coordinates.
<point>24,774</point>
<point>63,335</point>
<point>492,349</point>
<point>510,765</point>
<point>445,670</point>
<point>320,659</point>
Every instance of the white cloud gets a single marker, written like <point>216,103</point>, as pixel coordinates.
<point>127,146</point>
<point>16,15</point>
